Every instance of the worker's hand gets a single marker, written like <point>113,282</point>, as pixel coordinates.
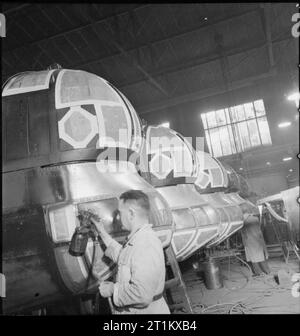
<point>99,224</point>
<point>106,289</point>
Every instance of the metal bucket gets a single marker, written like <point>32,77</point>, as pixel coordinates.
<point>212,276</point>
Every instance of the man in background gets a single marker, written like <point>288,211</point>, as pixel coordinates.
<point>254,244</point>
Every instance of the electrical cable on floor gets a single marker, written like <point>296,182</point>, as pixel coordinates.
<point>241,306</point>
<point>247,277</point>
<point>244,305</point>
<point>250,304</point>
<point>245,263</point>
<point>221,308</point>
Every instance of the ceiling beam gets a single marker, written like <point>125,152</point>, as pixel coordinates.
<point>266,7</point>
<point>203,60</point>
<point>159,40</point>
<point>167,39</point>
<point>16,9</point>
<point>97,60</point>
<point>203,93</point>
<point>109,38</point>
<point>61,34</point>
<point>190,63</point>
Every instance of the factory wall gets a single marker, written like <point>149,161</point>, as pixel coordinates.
<point>185,118</point>
<point>268,184</point>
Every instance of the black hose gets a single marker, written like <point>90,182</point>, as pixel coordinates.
<point>91,266</point>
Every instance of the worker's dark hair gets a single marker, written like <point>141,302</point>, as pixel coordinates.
<point>138,196</point>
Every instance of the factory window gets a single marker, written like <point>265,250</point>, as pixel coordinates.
<point>236,129</point>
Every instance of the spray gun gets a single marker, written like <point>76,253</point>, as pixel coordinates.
<point>86,230</point>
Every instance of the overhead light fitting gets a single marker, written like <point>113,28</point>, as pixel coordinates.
<point>165,124</point>
<point>268,163</point>
<point>291,170</point>
<point>294,97</point>
<point>284,124</point>
<point>287,158</point>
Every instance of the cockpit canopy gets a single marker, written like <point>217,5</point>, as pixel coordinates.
<point>170,158</point>
<point>63,115</point>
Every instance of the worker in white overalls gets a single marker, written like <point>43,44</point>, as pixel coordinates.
<point>140,279</point>
<point>254,244</point>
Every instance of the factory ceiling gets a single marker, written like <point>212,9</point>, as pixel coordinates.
<point>163,55</point>
<point>158,55</point>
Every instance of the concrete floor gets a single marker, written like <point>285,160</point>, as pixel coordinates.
<point>242,294</point>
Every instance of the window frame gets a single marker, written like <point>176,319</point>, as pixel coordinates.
<point>232,124</point>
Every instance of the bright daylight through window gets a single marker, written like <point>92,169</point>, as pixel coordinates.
<point>236,129</point>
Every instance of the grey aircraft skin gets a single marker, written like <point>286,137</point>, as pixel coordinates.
<point>48,177</point>
<point>54,126</point>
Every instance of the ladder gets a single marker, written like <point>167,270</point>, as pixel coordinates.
<point>278,237</point>
<point>175,282</point>
<point>287,247</point>
<point>292,247</point>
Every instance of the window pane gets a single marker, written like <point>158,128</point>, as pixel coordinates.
<point>201,216</point>
<point>215,142</point>
<point>220,116</point>
<point>237,138</point>
<point>183,219</point>
<point>264,130</point>
<point>211,119</point>
<point>240,112</point>
<point>207,137</point>
<point>232,142</point>
<point>244,134</point>
<point>114,119</point>
<point>217,177</point>
<point>259,107</point>
<point>223,216</point>
<point>80,86</point>
<point>249,110</point>
<point>227,116</point>
<point>225,141</point>
<point>234,213</point>
<point>233,114</point>
<point>254,135</point>
<point>159,215</point>
<point>203,116</point>
<point>237,128</point>
<point>212,214</point>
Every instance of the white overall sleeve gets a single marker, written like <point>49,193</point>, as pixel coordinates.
<point>113,250</point>
<point>145,268</point>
